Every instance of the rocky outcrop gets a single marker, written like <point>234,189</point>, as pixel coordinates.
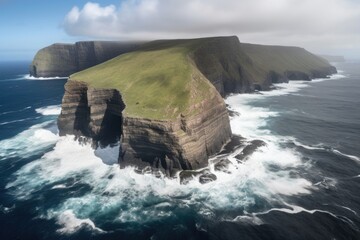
<point>249,149</point>
<point>92,113</point>
<point>65,59</point>
<point>168,146</point>
<point>122,100</point>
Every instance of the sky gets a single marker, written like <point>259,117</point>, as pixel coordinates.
<point>320,26</point>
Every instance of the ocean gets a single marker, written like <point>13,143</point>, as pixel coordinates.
<point>304,184</point>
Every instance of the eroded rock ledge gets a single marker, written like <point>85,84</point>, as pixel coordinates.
<point>168,146</point>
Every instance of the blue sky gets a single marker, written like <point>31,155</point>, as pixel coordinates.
<point>28,25</point>
<point>320,26</point>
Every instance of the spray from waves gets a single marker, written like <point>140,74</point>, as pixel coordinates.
<point>131,197</point>
<point>29,142</point>
<point>28,77</point>
<point>49,110</point>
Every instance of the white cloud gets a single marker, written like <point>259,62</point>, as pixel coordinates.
<point>309,23</point>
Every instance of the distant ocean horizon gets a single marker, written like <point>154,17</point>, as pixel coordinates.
<point>304,184</point>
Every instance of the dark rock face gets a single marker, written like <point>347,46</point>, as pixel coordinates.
<point>223,165</point>
<point>221,61</point>
<point>204,176</point>
<point>250,149</point>
<point>65,59</point>
<point>185,143</point>
<point>167,146</point>
<point>93,113</point>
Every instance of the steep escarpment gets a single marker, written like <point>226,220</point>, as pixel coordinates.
<point>174,117</point>
<point>92,113</point>
<point>221,60</point>
<point>282,64</point>
<point>65,59</point>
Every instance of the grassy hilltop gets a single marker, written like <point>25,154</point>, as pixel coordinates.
<point>165,78</point>
<point>159,81</point>
<point>281,59</point>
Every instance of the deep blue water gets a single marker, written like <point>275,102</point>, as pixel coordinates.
<point>305,184</point>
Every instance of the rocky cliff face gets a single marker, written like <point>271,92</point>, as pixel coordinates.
<point>168,146</point>
<point>92,113</point>
<point>65,59</point>
<point>182,130</point>
<point>223,62</point>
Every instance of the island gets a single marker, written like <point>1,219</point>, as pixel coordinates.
<point>162,101</point>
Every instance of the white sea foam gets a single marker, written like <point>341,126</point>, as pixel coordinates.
<point>28,77</point>
<point>31,141</point>
<point>70,223</point>
<point>49,110</point>
<point>294,209</point>
<point>352,157</point>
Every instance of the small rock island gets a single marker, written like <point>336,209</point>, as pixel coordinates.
<point>163,100</point>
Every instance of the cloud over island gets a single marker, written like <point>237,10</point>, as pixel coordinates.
<point>321,25</point>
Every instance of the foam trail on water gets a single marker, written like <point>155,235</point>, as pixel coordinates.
<point>8,112</point>
<point>28,77</point>
<point>18,120</point>
<point>352,157</point>
<point>49,110</point>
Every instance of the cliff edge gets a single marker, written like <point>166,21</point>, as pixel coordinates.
<point>62,60</point>
<point>166,113</point>
<point>163,101</point>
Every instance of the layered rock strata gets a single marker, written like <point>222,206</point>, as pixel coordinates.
<point>168,146</point>
<point>62,60</point>
<point>182,130</point>
<point>92,113</point>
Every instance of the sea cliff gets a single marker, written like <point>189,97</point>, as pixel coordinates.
<point>62,60</point>
<point>163,101</point>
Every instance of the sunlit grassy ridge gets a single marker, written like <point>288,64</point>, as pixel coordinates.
<point>281,59</point>
<point>156,82</point>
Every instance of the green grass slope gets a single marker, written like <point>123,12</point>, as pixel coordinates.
<point>281,59</point>
<point>158,81</point>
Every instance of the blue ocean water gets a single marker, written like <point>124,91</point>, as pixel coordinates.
<point>303,185</point>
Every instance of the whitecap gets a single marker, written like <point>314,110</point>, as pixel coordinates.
<point>18,120</point>
<point>352,157</point>
<point>70,223</point>
<point>49,110</point>
<point>28,77</point>
<point>31,141</point>
<point>14,111</point>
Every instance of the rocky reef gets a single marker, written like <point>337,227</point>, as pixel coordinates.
<point>62,60</point>
<point>163,102</point>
